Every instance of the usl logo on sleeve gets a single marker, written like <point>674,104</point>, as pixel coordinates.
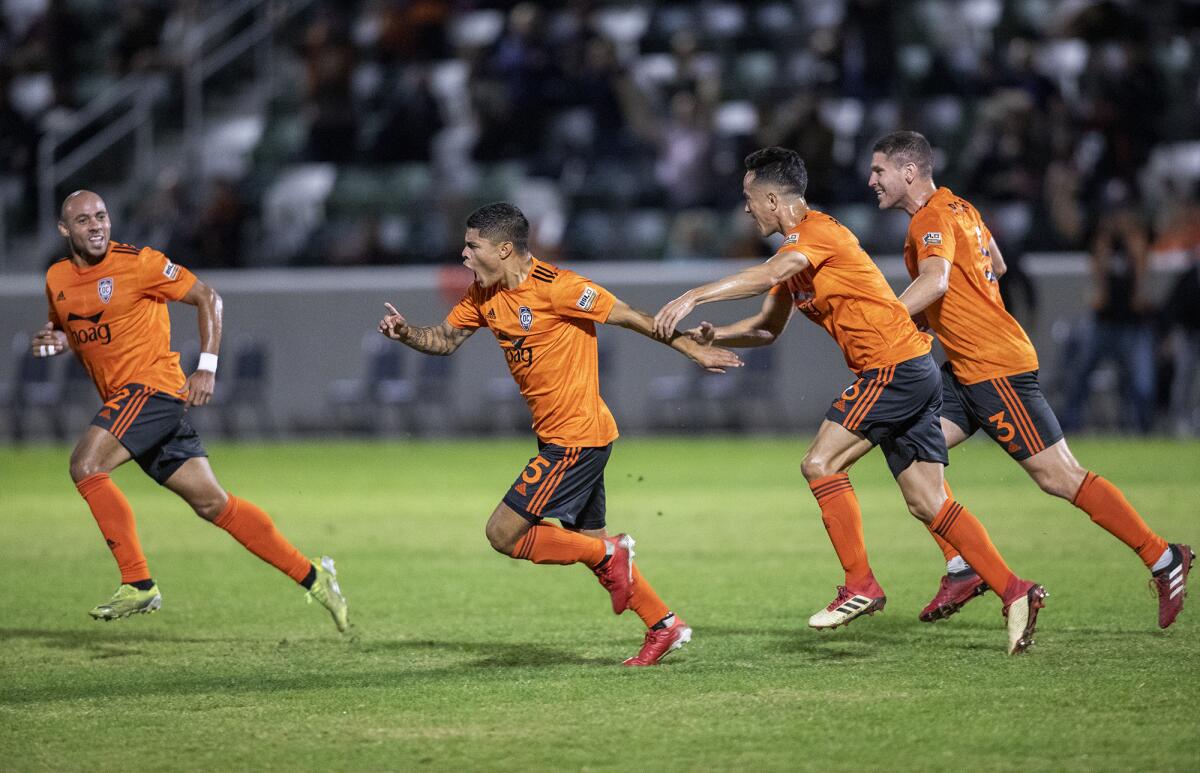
<point>170,271</point>
<point>588,299</point>
<point>932,238</point>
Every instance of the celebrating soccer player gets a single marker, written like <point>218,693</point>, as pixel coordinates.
<point>821,270</point>
<point>544,319</point>
<point>991,378</point>
<point>108,303</point>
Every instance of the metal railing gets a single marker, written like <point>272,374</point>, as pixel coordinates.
<point>211,45</point>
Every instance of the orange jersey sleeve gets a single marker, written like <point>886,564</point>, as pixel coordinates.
<point>844,292</point>
<point>115,316</point>
<point>546,328</point>
<point>981,339</point>
<point>466,315</point>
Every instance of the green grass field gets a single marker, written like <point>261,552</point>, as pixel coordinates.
<point>462,659</point>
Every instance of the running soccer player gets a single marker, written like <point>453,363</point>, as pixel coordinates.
<point>990,380</point>
<point>544,319</point>
<point>821,270</point>
<point>108,302</point>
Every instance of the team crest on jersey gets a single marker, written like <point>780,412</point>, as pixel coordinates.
<point>932,238</point>
<point>170,271</point>
<point>525,316</point>
<point>588,299</point>
<point>791,239</point>
<point>105,288</point>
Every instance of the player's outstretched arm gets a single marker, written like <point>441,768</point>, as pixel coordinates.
<point>712,358</point>
<point>48,342</point>
<point>210,315</point>
<point>762,329</point>
<point>440,339</point>
<point>746,283</point>
<point>933,279</point>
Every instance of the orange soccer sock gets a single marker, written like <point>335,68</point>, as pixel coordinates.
<point>1109,509</point>
<point>545,544</point>
<point>248,524</point>
<point>843,520</point>
<point>114,516</point>
<point>957,526</point>
<point>645,602</point>
<point>947,549</point>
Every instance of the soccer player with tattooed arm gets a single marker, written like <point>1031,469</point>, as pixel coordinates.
<point>544,319</point>
<point>821,270</point>
<point>990,379</point>
<point>108,304</point>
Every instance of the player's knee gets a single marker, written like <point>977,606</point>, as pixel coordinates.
<point>1061,481</point>
<point>922,511</point>
<point>814,467</point>
<point>209,506</point>
<point>500,541</point>
<point>83,466</point>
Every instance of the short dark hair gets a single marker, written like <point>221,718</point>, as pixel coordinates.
<point>501,222</point>
<point>907,148</point>
<point>780,166</point>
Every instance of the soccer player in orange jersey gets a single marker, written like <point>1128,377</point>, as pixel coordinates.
<point>821,270</point>
<point>108,303</point>
<point>544,319</point>
<point>990,381</point>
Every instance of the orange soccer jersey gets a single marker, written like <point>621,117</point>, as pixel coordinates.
<point>981,339</point>
<point>115,316</point>
<point>843,291</point>
<point>546,327</point>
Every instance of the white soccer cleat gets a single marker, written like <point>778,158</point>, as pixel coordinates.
<point>846,606</point>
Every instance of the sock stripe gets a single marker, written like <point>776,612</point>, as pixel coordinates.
<point>947,520</point>
<point>825,496</point>
<point>525,544</point>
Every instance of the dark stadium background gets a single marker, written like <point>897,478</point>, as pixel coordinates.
<point>313,159</point>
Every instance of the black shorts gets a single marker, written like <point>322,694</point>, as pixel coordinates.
<point>153,427</point>
<point>896,408</point>
<point>562,483</point>
<point>1012,409</point>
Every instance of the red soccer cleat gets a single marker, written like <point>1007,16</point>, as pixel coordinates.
<point>617,574</point>
<point>1025,598</point>
<point>953,594</point>
<point>1171,584</point>
<point>660,643</point>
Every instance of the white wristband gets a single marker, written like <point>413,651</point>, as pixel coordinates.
<point>208,361</point>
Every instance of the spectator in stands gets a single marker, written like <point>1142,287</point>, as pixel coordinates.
<point>329,61</point>
<point>1120,326</point>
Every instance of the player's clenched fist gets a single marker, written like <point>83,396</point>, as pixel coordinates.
<point>394,326</point>
<point>48,342</point>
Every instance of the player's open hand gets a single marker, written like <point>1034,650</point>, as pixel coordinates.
<point>199,387</point>
<point>48,342</point>
<point>394,326</point>
<point>714,359</point>
<point>669,316</point>
<point>704,335</point>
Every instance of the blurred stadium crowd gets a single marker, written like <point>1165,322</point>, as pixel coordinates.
<point>621,126</point>
<point>375,126</point>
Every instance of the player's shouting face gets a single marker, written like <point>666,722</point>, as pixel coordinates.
<point>84,223</point>
<point>485,257</point>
